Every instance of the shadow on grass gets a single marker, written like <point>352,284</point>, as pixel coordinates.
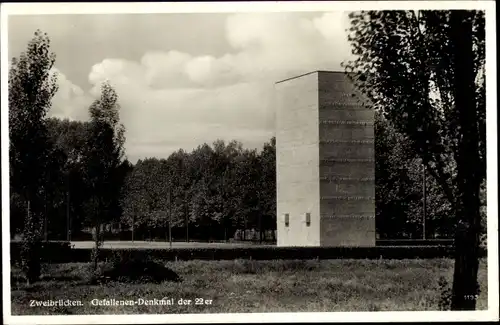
<point>63,278</point>
<point>257,267</point>
<point>17,279</point>
<point>136,271</point>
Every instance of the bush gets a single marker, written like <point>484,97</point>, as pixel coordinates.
<point>52,251</point>
<point>127,268</point>
<point>444,294</point>
<point>30,260</point>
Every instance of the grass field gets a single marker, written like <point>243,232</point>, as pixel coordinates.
<point>253,286</point>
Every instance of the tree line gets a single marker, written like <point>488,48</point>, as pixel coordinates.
<point>214,192</point>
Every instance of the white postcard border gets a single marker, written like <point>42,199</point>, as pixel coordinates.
<point>277,6</point>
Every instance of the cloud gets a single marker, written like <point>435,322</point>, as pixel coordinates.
<point>332,25</point>
<point>171,100</point>
<point>70,101</point>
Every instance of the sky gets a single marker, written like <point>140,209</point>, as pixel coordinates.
<point>184,79</point>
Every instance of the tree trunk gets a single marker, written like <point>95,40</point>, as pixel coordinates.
<point>245,229</point>
<point>68,214</point>
<point>424,202</point>
<point>133,228</point>
<point>465,287</point>
<point>260,228</point>
<point>170,231</point>
<point>97,235</point>
<point>186,212</point>
<point>170,216</point>
<point>45,219</point>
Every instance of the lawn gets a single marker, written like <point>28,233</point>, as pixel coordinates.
<point>252,286</point>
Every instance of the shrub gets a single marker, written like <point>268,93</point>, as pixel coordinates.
<point>53,251</point>
<point>127,268</point>
<point>444,294</point>
<point>30,256</point>
<point>30,249</point>
<point>30,261</point>
<point>94,271</point>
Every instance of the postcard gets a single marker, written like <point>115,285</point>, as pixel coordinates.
<point>249,162</point>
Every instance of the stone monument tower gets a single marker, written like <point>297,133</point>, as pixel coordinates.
<point>324,162</point>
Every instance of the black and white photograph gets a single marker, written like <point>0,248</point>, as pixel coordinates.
<point>242,162</point>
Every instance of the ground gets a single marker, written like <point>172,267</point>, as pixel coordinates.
<point>254,286</point>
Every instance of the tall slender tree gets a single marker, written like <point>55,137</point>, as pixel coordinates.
<point>32,86</point>
<point>102,160</point>
<point>425,71</point>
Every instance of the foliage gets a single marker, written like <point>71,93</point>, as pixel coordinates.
<point>31,88</point>
<point>146,194</point>
<point>399,189</point>
<point>212,190</point>
<point>398,185</point>
<point>445,294</point>
<point>425,71</point>
<point>51,251</point>
<point>104,152</point>
<point>267,185</point>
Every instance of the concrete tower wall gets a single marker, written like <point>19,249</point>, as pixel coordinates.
<point>297,161</point>
<point>347,163</point>
<point>325,162</point>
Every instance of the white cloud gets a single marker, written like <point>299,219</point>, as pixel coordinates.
<point>166,70</point>
<point>332,25</point>
<point>173,100</point>
<point>70,101</point>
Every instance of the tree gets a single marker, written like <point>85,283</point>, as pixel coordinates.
<point>425,71</point>
<point>31,88</point>
<point>267,187</point>
<point>104,153</point>
<point>178,185</point>
<point>398,184</point>
<point>145,201</point>
<point>69,138</point>
<point>201,175</point>
<point>399,189</point>
<point>133,198</point>
<point>247,199</point>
